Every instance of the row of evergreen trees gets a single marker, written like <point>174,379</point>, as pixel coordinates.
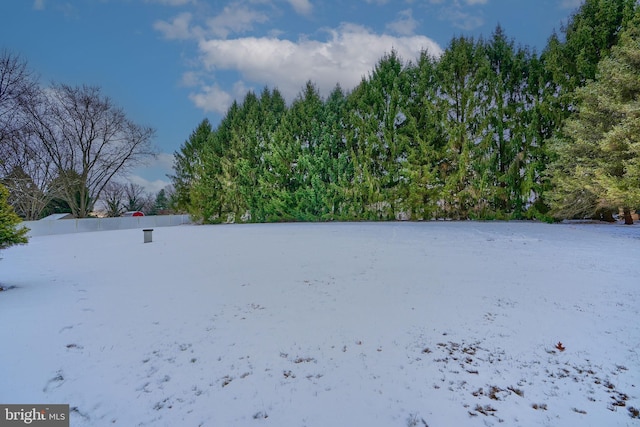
<point>465,135</point>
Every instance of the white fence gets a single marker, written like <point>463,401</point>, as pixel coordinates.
<point>64,226</point>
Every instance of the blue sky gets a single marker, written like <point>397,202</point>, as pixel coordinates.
<point>171,63</point>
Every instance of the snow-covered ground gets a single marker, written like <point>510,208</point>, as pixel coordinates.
<point>358,324</point>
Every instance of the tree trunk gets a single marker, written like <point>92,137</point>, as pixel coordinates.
<point>604,215</point>
<point>628,219</point>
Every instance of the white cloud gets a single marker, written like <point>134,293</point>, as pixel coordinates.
<point>377,1</point>
<point>191,79</point>
<point>163,161</point>
<point>463,20</point>
<point>159,165</point>
<point>344,56</point>
<point>38,5</point>
<point>178,29</point>
<point>405,24</point>
<point>459,13</point>
<point>235,18</point>
<point>147,175</point>
<point>350,53</point>
<point>212,98</point>
<point>240,89</point>
<point>302,7</point>
<point>151,187</point>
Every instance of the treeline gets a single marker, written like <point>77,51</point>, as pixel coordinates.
<point>465,135</point>
<point>61,145</point>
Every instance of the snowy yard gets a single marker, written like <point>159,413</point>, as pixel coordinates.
<point>291,325</point>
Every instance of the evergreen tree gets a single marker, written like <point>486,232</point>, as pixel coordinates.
<point>295,179</point>
<point>504,153</point>
<point>338,167</point>
<point>569,63</point>
<point>461,82</point>
<point>456,137</point>
<point>425,148</point>
<point>598,159</point>
<point>10,233</point>
<point>313,166</point>
<point>241,162</point>
<point>272,108</point>
<point>210,196</point>
<point>588,37</point>
<point>382,130</point>
<point>185,162</point>
<point>161,203</point>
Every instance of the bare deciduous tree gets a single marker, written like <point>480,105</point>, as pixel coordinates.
<point>88,140</point>
<point>18,87</point>
<point>135,198</point>
<point>29,179</point>
<point>23,171</point>
<point>113,198</point>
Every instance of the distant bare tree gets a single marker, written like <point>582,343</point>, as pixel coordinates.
<point>149,204</point>
<point>88,140</point>
<point>18,87</point>
<point>23,170</point>
<point>113,196</point>
<point>134,197</point>
<point>31,188</point>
